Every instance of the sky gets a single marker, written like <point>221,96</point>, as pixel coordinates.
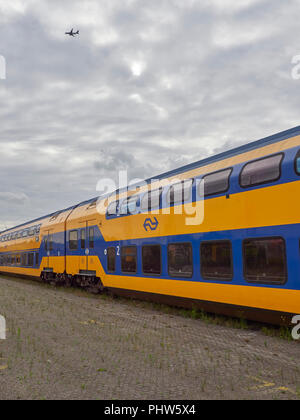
<point>147,86</point>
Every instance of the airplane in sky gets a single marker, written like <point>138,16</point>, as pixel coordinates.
<point>71,33</point>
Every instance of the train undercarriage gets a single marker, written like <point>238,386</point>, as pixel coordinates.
<point>85,280</point>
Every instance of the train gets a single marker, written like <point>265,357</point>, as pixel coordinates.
<point>234,250</point>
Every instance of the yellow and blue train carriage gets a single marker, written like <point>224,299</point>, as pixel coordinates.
<point>239,256</point>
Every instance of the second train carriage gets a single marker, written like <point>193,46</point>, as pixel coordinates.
<point>240,255</point>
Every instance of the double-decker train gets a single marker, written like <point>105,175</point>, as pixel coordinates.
<point>221,234</point>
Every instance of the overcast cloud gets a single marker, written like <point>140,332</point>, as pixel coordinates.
<point>147,86</point>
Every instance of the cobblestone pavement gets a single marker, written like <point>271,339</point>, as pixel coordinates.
<point>66,344</point>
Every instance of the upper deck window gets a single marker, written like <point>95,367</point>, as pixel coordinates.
<point>297,163</point>
<point>151,200</point>
<point>216,182</point>
<point>112,208</point>
<point>261,171</point>
<point>31,231</point>
<point>129,205</point>
<point>180,192</point>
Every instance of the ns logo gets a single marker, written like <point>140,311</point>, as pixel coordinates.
<point>150,224</point>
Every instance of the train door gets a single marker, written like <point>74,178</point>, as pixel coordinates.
<point>49,249</point>
<point>86,243</point>
<point>83,262</point>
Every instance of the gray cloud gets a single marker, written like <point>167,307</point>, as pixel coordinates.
<point>147,86</point>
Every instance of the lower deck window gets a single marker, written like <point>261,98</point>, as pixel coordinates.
<point>151,255</point>
<point>265,260</point>
<point>30,259</point>
<point>180,260</point>
<point>111,259</point>
<point>128,259</point>
<point>23,260</point>
<point>216,260</point>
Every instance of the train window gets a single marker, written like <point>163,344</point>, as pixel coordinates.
<point>111,259</point>
<point>151,255</point>
<point>129,259</point>
<point>30,259</point>
<point>261,171</point>
<point>82,238</point>
<point>216,260</point>
<point>91,237</point>
<point>297,163</point>
<point>112,209</point>
<point>151,200</point>
<point>180,192</point>
<point>50,242</point>
<point>23,259</point>
<point>129,205</point>
<point>180,260</point>
<point>265,260</point>
<point>73,239</point>
<point>216,182</point>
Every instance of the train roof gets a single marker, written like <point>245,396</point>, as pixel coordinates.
<point>275,138</point>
